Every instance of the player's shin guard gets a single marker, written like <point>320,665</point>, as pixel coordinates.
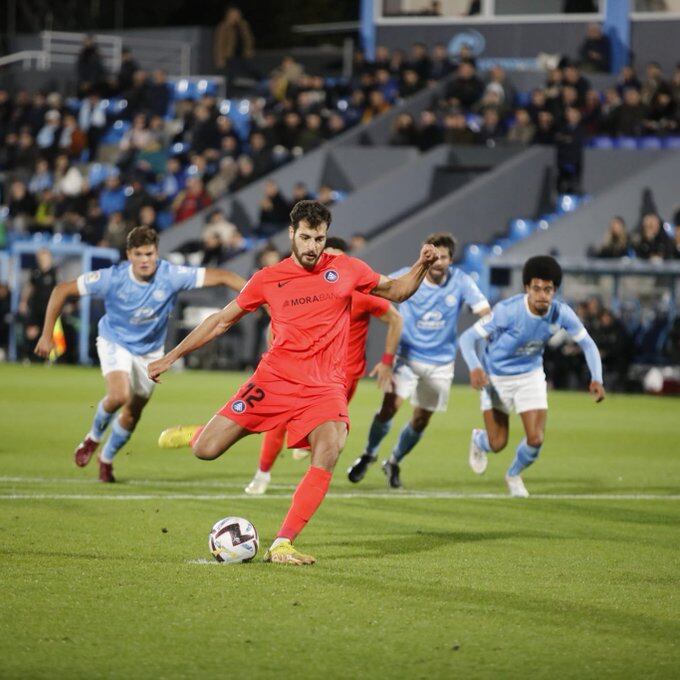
<point>101,421</point>
<point>271,447</point>
<point>307,498</point>
<point>525,455</point>
<point>408,438</point>
<point>118,439</point>
<point>377,433</point>
<point>482,440</point>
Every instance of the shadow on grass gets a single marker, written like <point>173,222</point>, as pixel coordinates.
<point>420,541</point>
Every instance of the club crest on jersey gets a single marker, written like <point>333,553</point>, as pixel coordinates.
<point>331,275</point>
<point>451,300</point>
<point>159,295</point>
<point>238,406</point>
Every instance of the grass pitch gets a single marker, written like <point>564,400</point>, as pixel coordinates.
<point>448,579</point>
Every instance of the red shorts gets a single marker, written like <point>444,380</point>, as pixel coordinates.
<point>265,402</point>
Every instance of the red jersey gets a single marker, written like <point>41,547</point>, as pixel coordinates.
<point>363,307</point>
<point>310,312</point>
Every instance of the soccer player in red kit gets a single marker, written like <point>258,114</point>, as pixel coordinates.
<point>362,309</point>
<point>301,379</point>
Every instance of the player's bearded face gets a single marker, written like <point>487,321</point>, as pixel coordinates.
<point>541,294</point>
<point>144,261</point>
<point>307,243</point>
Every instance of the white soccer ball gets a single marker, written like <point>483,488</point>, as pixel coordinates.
<point>233,539</point>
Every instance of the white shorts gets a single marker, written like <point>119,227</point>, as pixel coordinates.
<point>522,392</point>
<point>114,357</point>
<point>427,385</point>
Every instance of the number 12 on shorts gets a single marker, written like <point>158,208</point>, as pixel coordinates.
<point>252,394</point>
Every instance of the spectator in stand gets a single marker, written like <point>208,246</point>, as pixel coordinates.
<point>27,152</point>
<point>274,210</point>
<point>192,200</point>
<point>261,154</point>
<point>116,232</point>
<point>570,141</point>
<point>42,177</point>
<point>388,85</point>
<point>651,242</point>
<point>204,133</point>
<point>325,195</point>
<point>662,116</point>
<point>419,61</point>
<point>653,81</point>
<point>45,212</point>
<point>404,131</point>
<point>429,132</point>
<point>21,207</point>
<point>375,107</point>
<point>499,85</point>
<point>627,78</point>
<point>491,129</point>
<point>47,139</point>
<point>410,83</point>
<point>456,130</point>
<point>595,50</point>
<point>112,197</point>
<point>300,193</point>
<point>572,76</point>
<point>466,88</point>
<point>591,114</point>
<point>35,294</point>
<point>90,70</point>
<point>160,93</point>
<point>397,62</point>
<point>614,344</point>
<point>95,224</point>
<point>72,140</point>
<point>128,65</point>
<point>92,121</point>
<point>234,47</point>
<point>523,130</point>
<point>441,66</point>
<point>134,140</point>
<point>220,183</point>
<point>545,129</point>
<point>139,96</point>
<point>616,242</point>
<point>147,217</point>
<point>245,174</point>
<point>628,119</point>
<point>311,135</point>
<point>537,104</point>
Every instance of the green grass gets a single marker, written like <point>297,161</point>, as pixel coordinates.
<point>95,584</point>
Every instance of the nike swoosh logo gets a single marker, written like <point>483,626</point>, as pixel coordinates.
<point>281,284</point>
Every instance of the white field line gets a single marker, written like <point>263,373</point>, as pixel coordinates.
<point>201,484</point>
<point>418,495</point>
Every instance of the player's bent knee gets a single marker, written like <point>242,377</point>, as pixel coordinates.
<point>206,450</point>
<point>535,440</point>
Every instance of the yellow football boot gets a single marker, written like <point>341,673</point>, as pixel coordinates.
<point>285,553</point>
<point>177,437</point>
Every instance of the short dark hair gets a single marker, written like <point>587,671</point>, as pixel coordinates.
<point>142,236</point>
<point>313,212</point>
<point>443,238</point>
<point>337,243</point>
<point>542,267</point>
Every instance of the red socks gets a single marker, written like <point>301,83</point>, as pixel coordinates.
<point>271,447</point>
<point>307,498</point>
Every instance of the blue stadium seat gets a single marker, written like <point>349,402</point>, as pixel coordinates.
<point>626,143</point>
<point>115,133</point>
<point>98,172</point>
<point>601,142</point>
<point>671,142</point>
<point>475,256</point>
<point>567,202</point>
<point>649,143</point>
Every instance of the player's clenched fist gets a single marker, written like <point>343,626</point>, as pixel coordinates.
<point>44,347</point>
<point>597,390</point>
<point>156,368</point>
<point>428,255</point>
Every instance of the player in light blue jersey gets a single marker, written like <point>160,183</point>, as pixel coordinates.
<point>425,358</point>
<point>139,295</point>
<point>510,373</point>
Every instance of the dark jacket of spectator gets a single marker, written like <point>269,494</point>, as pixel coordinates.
<point>467,88</point>
<point>652,241</point>
<point>595,51</point>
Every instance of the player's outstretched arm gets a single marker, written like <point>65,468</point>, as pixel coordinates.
<point>214,325</point>
<point>223,277</point>
<point>592,355</point>
<point>59,295</point>
<point>400,289</point>
<point>382,371</point>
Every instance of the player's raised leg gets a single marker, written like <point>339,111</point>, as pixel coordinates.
<point>117,394</point>
<point>380,426</point>
<point>527,450</point>
<point>327,440</point>
<point>272,443</point>
<point>493,438</point>
<point>408,438</point>
<point>219,435</point>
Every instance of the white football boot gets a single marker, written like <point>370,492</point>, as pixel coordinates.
<point>258,484</point>
<point>516,486</point>
<point>477,458</point>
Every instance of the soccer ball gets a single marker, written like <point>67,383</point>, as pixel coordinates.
<point>233,539</point>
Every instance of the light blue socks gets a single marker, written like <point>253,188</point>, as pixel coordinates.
<point>118,439</point>
<point>525,455</point>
